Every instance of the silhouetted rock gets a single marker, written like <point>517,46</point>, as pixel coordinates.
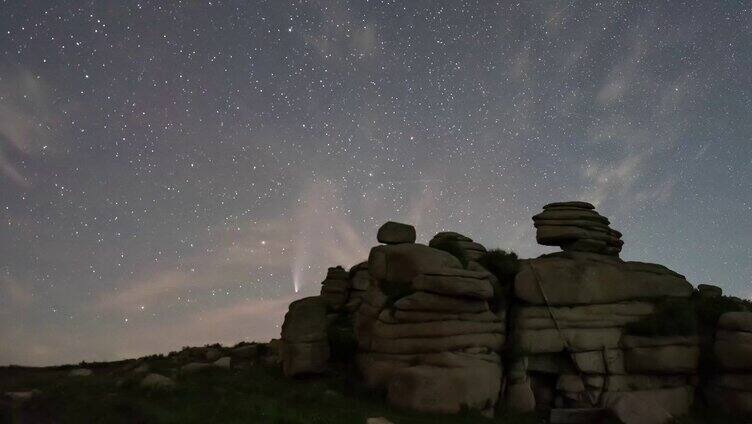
<point>396,233</point>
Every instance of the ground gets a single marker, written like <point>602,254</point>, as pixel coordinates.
<point>258,394</point>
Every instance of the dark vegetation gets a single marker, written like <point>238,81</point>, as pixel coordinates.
<point>258,395</point>
<point>685,317</point>
<point>504,266</point>
<point>709,309</point>
<point>673,317</point>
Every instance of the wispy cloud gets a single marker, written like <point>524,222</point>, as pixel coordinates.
<point>26,119</point>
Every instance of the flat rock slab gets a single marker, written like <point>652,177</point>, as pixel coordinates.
<point>576,415</point>
<point>583,282</point>
<point>572,204</point>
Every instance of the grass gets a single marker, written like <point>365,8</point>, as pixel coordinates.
<point>258,395</point>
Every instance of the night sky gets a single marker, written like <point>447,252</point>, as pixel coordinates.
<point>175,173</point>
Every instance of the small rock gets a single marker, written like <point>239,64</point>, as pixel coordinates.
<point>378,420</point>
<point>213,354</point>
<point>709,290</point>
<point>23,396</point>
<point>194,367</point>
<point>247,351</point>
<point>223,362</point>
<point>396,233</point>
<point>157,381</point>
<point>80,372</point>
<point>143,368</point>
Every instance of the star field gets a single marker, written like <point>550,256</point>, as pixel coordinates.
<point>175,173</point>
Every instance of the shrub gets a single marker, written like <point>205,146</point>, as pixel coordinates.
<point>672,317</point>
<point>502,264</point>
<point>453,248</point>
<point>709,309</point>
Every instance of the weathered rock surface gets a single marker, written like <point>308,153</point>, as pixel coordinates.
<point>305,345</point>
<point>568,281</point>
<point>576,226</point>
<point>335,288</point>
<point>400,263</point>
<point>396,233</point>
<point>428,388</point>
<point>157,381</point>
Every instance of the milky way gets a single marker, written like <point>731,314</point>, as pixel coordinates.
<point>175,173</point>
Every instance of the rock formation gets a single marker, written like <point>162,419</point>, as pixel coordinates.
<point>576,226</point>
<point>444,327</point>
<point>426,333</point>
<point>731,388</point>
<point>305,344</point>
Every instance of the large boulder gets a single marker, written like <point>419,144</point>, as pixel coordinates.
<point>736,321</point>
<point>568,281</point>
<point>576,226</point>
<point>429,388</point>
<point>396,233</point>
<point>456,282</point>
<point>400,263</point>
<point>650,406</point>
<point>305,345</point>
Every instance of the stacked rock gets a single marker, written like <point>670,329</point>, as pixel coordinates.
<point>426,333</point>
<point>573,326</point>
<point>360,280</point>
<point>576,226</point>
<point>304,348</point>
<point>731,388</point>
<point>472,251</point>
<point>335,288</point>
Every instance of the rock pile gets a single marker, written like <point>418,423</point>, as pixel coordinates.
<point>335,288</point>
<point>360,280</point>
<point>425,331</point>
<point>576,226</point>
<point>305,346</point>
<point>731,388</point>
<point>472,251</point>
<point>584,331</point>
<point>571,320</point>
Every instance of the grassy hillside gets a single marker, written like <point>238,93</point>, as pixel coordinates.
<point>248,393</point>
<point>258,394</point>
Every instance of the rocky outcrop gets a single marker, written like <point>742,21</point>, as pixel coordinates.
<point>576,226</point>
<point>470,249</point>
<point>572,317</point>
<point>731,388</point>
<point>581,330</point>
<point>426,333</point>
<point>360,280</point>
<point>335,288</point>
<point>305,346</point>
